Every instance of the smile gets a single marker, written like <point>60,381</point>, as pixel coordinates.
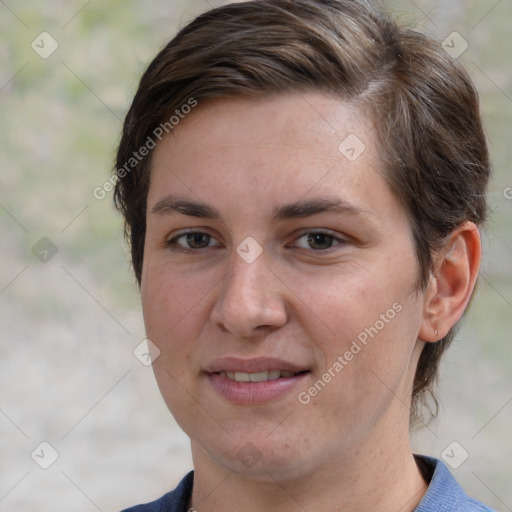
<point>254,381</point>
<point>258,376</point>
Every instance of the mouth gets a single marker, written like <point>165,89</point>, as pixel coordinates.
<point>264,376</point>
<point>254,381</point>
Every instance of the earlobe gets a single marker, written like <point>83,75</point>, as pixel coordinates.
<point>451,285</point>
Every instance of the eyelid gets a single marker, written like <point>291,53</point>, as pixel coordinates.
<point>172,243</point>
<point>339,239</point>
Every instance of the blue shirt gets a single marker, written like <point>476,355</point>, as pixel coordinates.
<point>444,494</point>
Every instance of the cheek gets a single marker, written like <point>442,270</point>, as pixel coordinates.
<point>370,319</point>
<point>166,310</point>
<point>340,304</point>
<point>169,298</point>
<point>172,309</point>
<point>175,307</point>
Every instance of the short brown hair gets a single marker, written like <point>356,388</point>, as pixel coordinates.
<point>422,100</point>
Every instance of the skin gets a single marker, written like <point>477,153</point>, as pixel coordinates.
<point>301,301</point>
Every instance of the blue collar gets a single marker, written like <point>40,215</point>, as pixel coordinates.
<point>444,494</point>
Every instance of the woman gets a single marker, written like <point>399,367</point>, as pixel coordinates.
<point>302,184</point>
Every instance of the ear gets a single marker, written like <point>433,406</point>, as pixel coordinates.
<point>452,283</point>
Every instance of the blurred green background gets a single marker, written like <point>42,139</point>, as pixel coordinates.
<point>70,323</point>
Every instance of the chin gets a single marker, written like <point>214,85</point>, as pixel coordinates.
<point>260,457</point>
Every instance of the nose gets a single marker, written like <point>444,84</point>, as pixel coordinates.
<point>251,299</point>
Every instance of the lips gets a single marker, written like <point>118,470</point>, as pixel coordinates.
<point>254,381</point>
<point>255,365</point>
<point>257,376</point>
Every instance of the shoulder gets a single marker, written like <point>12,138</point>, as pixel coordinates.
<point>444,494</point>
<point>478,506</point>
<point>174,501</point>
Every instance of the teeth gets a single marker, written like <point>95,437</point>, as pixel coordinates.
<point>256,377</point>
<point>242,377</point>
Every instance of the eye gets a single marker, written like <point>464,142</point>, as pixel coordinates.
<point>196,240</point>
<point>318,240</point>
<point>192,240</point>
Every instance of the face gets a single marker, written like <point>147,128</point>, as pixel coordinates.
<point>278,285</point>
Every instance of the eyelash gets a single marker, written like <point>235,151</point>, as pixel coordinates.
<point>174,246</point>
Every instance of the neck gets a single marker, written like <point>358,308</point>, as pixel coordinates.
<point>375,477</point>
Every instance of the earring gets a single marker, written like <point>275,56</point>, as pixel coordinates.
<point>435,332</point>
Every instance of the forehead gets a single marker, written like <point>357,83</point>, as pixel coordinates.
<point>289,119</point>
<point>275,148</point>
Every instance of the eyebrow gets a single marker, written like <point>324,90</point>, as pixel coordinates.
<point>298,209</point>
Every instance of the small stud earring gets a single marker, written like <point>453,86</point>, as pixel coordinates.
<point>435,332</point>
